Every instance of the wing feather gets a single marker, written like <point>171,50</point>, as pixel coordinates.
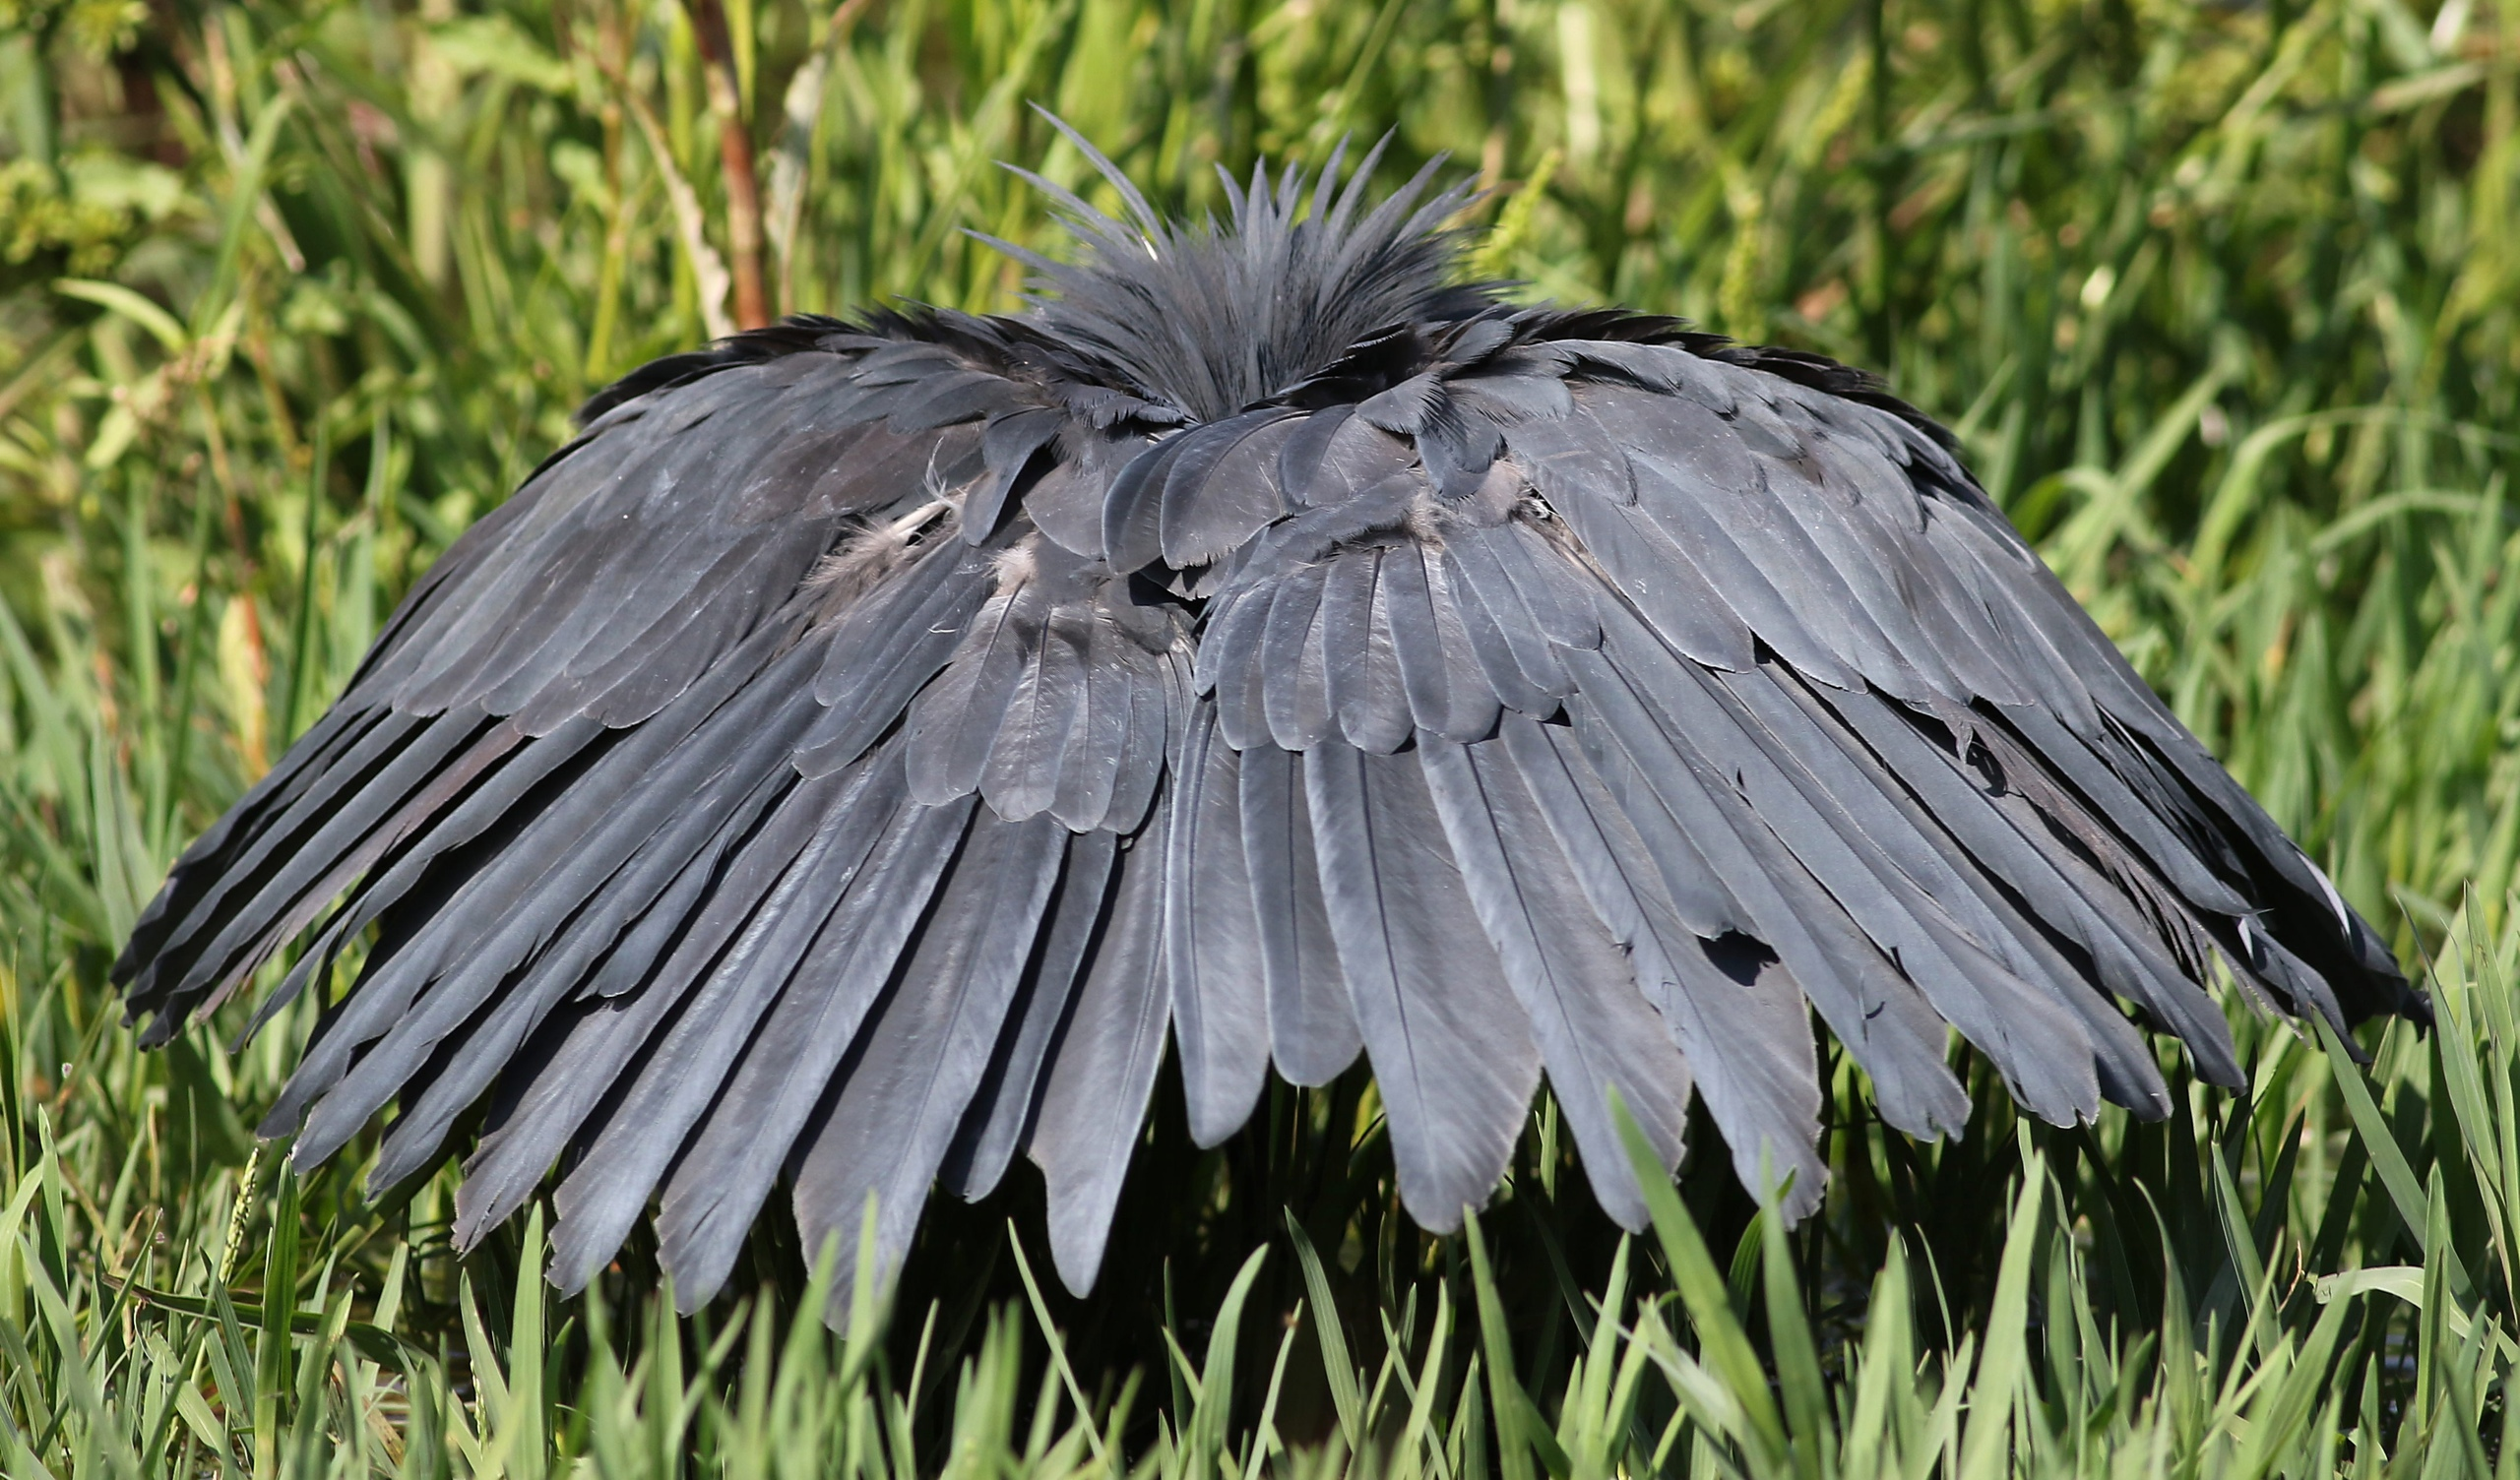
<point>1744,1031</point>
<point>1091,770</point>
<point>1007,448</point>
<point>1312,1029</point>
<point>1212,941</point>
<point>573,962</point>
<point>306,857</point>
<point>716,1186</point>
<point>1101,1064</point>
<point>1875,1010</point>
<point>1293,670</point>
<point>1454,1064</point>
<point>1030,753</point>
<point>411,872</point>
<point>1476,558</point>
<point>2042,1049</point>
<point>517,903</point>
<point>1233,638</point>
<point>731,965</point>
<point>1223,490</point>
<point>1686,475</point>
<point>1447,694</point>
<point>1659,577</point>
<point>1365,687</point>
<point>914,1070</point>
<point>1834,770</point>
<point>638,987</point>
<point>955,720</point>
<point>2128,962</point>
<point>1596,1034</point>
<point>1002,1110</point>
<point>298,796</point>
<point>884,650</point>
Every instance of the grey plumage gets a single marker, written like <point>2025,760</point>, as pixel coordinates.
<point>1312,1028</point>
<point>1102,1063</point>
<point>1596,1032</point>
<point>920,1061</point>
<point>1008,1094</point>
<point>1212,941</point>
<point>1454,1064</point>
<point>856,757</point>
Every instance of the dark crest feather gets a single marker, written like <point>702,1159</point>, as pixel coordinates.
<point>1212,317</point>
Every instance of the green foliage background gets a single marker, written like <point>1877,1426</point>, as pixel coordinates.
<point>2220,296</point>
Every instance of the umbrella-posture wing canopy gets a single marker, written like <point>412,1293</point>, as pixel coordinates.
<point>848,759</point>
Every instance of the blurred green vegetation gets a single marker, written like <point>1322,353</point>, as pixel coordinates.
<point>2221,298</point>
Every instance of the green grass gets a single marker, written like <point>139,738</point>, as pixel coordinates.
<point>2221,297</point>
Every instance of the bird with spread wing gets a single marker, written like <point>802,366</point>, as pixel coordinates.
<point>851,760</point>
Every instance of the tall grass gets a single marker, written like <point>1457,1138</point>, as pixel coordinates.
<point>2221,298</point>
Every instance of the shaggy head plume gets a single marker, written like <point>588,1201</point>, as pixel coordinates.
<point>1211,317</point>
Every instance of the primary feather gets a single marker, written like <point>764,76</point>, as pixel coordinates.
<point>850,759</point>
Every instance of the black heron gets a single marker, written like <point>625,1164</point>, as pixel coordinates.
<point>854,757</point>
